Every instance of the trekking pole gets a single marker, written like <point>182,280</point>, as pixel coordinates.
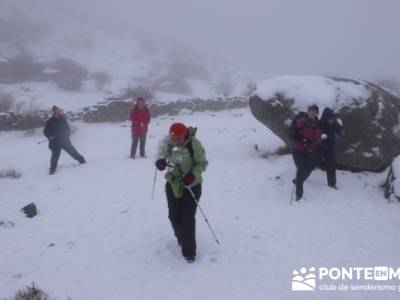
<point>154,182</point>
<point>291,195</point>
<point>202,212</point>
<point>41,142</point>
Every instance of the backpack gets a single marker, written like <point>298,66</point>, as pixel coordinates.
<point>293,133</point>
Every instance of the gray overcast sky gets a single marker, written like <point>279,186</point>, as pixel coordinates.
<point>356,38</point>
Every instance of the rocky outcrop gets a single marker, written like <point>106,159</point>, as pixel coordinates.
<point>20,121</point>
<point>118,111</point>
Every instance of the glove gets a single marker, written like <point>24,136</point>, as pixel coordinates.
<point>188,179</point>
<point>324,136</point>
<point>307,143</point>
<point>161,164</point>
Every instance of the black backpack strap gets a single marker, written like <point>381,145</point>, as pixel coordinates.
<point>293,131</point>
<point>190,148</point>
<point>191,133</point>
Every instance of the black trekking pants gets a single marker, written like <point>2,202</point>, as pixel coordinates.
<point>181,213</point>
<point>138,140</point>
<point>326,160</point>
<point>304,162</point>
<point>67,147</point>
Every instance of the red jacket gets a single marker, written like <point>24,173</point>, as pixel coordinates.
<point>310,132</point>
<point>140,120</point>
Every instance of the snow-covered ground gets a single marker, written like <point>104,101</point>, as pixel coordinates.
<point>128,61</point>
<point>99,235</point>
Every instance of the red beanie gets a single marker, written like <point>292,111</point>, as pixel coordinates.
<point>178,130</point>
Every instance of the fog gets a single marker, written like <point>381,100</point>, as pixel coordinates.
<point>348,38</point>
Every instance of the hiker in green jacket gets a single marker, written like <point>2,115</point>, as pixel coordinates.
<point>182,154</point>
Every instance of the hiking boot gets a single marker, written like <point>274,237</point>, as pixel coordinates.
<point>82,161</point>
<point>190,259</point>
<point>52,171</point>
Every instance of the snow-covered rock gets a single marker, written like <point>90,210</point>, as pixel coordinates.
<point>369,113</point>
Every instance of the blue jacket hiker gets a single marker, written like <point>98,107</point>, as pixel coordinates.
<point>325,154</point>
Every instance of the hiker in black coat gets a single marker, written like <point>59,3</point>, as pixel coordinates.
<point>305,134</point>
<point>326,149</point>
<point>58,132</point>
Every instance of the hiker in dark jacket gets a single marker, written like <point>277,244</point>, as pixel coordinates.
<point>325,151</point>
<point>185,159</point>
<point>58,133</point>
<point>307,135</point>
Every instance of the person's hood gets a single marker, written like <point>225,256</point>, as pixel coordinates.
<point>140,99</point>
<point>327,114</point>
<point>136,106</point>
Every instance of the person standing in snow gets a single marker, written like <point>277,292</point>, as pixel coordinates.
<point>326,149</point>
<point>304,135</point>
<point>140,118</point>
<point>184,157</point>
<point>58,133</point>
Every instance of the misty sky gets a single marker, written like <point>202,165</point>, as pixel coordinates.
<point>350,38</point>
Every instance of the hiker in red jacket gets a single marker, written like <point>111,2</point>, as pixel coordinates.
<point>140,118</point>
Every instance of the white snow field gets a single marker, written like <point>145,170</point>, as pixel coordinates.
<point>99,235</point>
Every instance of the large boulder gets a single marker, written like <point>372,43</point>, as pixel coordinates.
<point>370,115</point>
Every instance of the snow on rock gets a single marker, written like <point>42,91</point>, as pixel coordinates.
<point>369,114</point>
<point>323,91</point>
<point>50,71</point>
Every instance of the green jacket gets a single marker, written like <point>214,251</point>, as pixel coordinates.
<point>180,162</point>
